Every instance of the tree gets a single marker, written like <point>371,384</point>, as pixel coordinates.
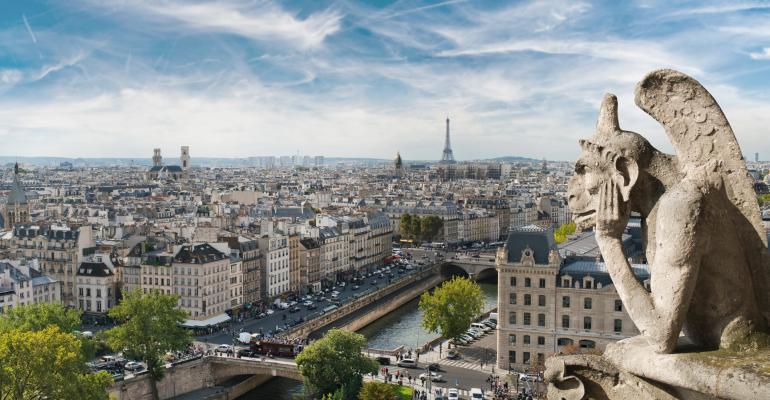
<point>406,224</point>
<point>150,325</point>
<point>35,317</point>
<point>47,364</point>
<point>416,227</point>
<point>451,307</point>
<point>376,391</point>
<point>335,362</point>
<point>561,233</point>
<point>430,226</point>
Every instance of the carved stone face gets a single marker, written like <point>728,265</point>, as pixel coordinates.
<point>591,171</point>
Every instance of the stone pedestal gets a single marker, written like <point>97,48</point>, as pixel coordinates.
<point>630,370</point>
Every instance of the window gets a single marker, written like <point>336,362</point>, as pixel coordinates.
<point>542,282</point>
<point>565,283</point>
<point>618,305</point>
<point>541,300</point>
<point>618,325</point>
<point>513,298</point>
<point>80,292</point>
<point>527,318</point>
<point>565,321</point>
<point>527,282</point>
<point>587,323</point>
<point>527,300</point>
<point>587,344</point>
<point>526,357</point>
<point>512,318</point>
<point>541,340</point>
<point>511,357</point>
<point>564,341</point>
<point>512,339</point>
<point>565,301</point>
<point>587,303</point>
<point>513,281</point>
<point>98,306</point>
<point>526,339</point>
<point>98,292</point>
<point>88,294</point>
<point>589,283</point>
<point>540,319</point>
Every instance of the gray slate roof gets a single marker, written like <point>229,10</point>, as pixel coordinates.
<point>540,240</point>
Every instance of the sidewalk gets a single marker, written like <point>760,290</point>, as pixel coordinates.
<point>434,356</point>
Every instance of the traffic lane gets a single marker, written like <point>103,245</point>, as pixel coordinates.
<point>270,322</point>
<point>453,377</point>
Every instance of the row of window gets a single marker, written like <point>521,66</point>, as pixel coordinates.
<point>527,319</point>
<point>526,341</point>
<point>565,301</point>
<point>565,322</point>
<point>526,359</point>
<point>528,282</point>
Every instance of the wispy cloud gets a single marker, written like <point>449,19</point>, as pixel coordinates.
<point>259,21</point>
<point>762,55</point>
<point>29,28</point>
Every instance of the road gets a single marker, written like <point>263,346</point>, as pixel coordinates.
<point>280,317</point>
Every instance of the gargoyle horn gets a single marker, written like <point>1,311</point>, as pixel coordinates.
<point>607,125</point>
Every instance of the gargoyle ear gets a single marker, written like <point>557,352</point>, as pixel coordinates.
<point>627,171</point>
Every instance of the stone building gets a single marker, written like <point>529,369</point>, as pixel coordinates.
<point>310,265</point>
<point>274,249</point>
<point>96,285</point>
<point>22,284</point>
<point>201,279</point>
<point>294,264</point>
<point>545,304</point>
<point>158,171</point>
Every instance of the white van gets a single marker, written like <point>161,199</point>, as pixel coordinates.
<point>480,326</point>
<point>477,394</point>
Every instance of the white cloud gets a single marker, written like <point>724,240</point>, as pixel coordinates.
<point>762,55</point>
<point>263,21</point>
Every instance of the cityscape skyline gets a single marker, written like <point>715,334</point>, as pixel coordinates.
<point>342,79</point>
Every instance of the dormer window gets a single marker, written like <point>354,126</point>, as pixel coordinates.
<point>565,283</point>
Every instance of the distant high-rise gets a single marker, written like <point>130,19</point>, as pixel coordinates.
<point>756,157</point>
<point>447,157</point>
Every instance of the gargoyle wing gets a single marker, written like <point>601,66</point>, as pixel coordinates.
<point>700,133</point>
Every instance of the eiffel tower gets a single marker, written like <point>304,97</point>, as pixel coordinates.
<point>447,157</point>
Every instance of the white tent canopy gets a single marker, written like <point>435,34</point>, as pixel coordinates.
<point>217,319</point>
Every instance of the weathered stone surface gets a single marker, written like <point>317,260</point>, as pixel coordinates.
<point>703,234</point>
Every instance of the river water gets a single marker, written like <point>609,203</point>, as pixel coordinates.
<point>401,327</point>
<point>404,325</point>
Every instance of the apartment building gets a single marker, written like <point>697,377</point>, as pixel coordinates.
<point>22,284</point>
<point>545,304</point>
<point>295,282</point>
<point>310,265</point>
<point>274,250</point>
<point>202,281</point>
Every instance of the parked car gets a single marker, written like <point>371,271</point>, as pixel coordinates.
<point>311,306</point>
<point>407,363</point>
<point>270,312</point>
<point>133,366</point>
<point>481,326</point>
<point>435,377</point>
<point>294,309</point>
<point>453,394</point>
<point>307,303</point>
<point>355,287</point>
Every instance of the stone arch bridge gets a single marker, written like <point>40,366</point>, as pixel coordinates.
<point>481,268</point>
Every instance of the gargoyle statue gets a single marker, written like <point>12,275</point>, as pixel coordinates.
<point>704,240</point>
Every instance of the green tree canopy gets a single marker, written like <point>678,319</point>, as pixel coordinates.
<point>406,225</point>
<point>561,233</point>
<point>335,361</point>
<point>431,226</point>
<point>416,230</point>
<point>451,308</point>
<point>47,364</point>
<point>150,324</point>
<point>35,317</point>
<point>377,391</point>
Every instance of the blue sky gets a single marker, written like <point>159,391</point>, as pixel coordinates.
<point>346,78</point>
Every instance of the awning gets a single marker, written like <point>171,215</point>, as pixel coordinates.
<point>217,319</point>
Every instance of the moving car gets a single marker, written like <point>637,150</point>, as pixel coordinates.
<point>383,360</point>
<point>294,309</point>
<point>434,367</point>
<point>434,377</point>
<point>453,394</point>
<point>529,377</point>
<point>224,348</point>
<point>477,394</point>
<point>453,355</point>
<point>407,363</point>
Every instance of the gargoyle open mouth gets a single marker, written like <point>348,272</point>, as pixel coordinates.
<point>581,217</point>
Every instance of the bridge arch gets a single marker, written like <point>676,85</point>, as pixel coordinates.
<point>449,270</point>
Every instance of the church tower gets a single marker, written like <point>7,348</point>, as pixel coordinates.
<point>16,210</point>
<point>398,165</point>
<point>157,160</point>
<point>185,158</point>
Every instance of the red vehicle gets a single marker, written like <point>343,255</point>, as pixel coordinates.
<point>273,347</point>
